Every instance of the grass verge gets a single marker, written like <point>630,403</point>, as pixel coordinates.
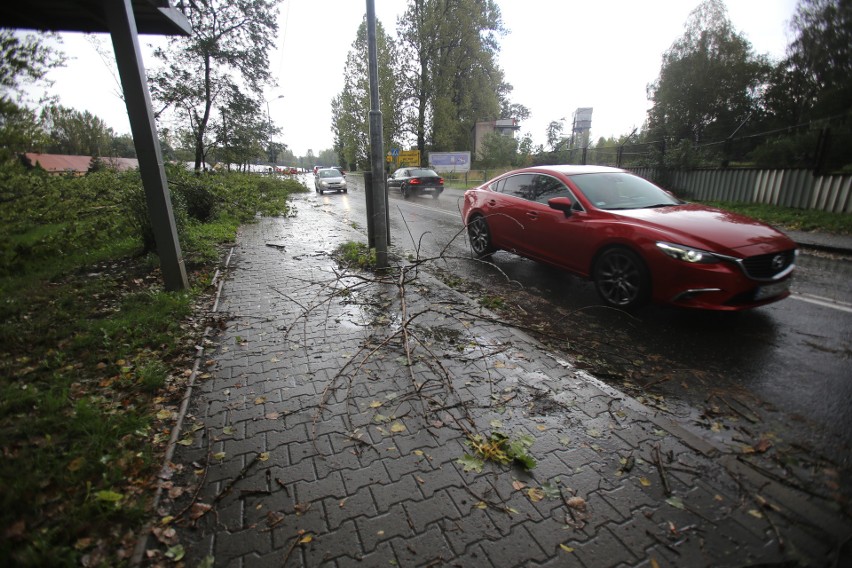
<point>94,354</point>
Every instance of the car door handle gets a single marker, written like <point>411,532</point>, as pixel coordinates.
<point>532,214</point>
<point>492,202</point>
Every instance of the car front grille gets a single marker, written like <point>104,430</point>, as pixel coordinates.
<point>768,266</point>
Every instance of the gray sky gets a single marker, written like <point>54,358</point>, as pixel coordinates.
<point>559,55</point>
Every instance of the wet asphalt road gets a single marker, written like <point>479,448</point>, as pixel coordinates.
<point>793,358</point>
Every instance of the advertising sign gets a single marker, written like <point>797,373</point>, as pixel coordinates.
<point>443,162</point>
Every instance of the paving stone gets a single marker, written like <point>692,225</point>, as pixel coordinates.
<point>401,498</point>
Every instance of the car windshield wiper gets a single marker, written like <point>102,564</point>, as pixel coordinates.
<point>656,205</point>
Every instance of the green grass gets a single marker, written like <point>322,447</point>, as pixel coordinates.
<point>791,218</point>
<point>357,255</point>
<point>92,347</point>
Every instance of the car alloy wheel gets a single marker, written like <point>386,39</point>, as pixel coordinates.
<point>480,237</point>
<point>621,278</point>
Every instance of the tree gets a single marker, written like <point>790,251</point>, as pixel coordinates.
<point>709,80</point>
<point>455,80</point>
<point>24,59</point>
<point>78,133</point>
<point>227,52</point>
<point>499,150</point>
<point>554,133</point>
<point>351,107</point>
<point>822,53</point>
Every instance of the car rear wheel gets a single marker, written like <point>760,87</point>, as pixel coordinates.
<point>480,237</point>
<point>621,278</point>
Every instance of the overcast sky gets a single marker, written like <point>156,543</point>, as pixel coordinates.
<point>559,55</point>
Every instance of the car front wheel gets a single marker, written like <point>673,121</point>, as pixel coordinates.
<point>480,237</point>
<point>621,279</point>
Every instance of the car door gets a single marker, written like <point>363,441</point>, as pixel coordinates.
<point>565,240</point>
<point>396,179</point>
<point>507,213</point>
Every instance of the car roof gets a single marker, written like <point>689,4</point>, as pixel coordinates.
<point>570,169</point>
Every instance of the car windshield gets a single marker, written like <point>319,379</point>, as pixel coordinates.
<point>329,173</point>
<point>618,190</point>
<point>422,173</point>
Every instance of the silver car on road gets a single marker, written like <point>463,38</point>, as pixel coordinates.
<point>329,179</point>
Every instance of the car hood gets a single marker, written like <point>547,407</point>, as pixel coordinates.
<point>710,229</point>
<point>336,179</point>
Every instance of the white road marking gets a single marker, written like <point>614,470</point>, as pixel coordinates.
<point>824,302</point>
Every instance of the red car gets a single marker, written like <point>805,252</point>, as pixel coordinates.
<point>634,240</point>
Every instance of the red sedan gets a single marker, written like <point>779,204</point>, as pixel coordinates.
<point>637,242</point>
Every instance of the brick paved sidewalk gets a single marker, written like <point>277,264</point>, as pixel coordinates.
<point>338,407</point>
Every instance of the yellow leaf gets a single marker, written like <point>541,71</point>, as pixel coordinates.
<point>264,457</point>
<point>541,428</point>
<point>219,456</point>
<point>481,505</point>
<point>418,452</point>
<point>755,513</point>
<point>76,464</point>
<point>499,364</point>
<point>375,404</point>
<point>397,427</point>
<point>164,414</point>
<point>654,563</point>
<point>306,539</point>
<point>535,494</point>
<point>260,400</point>
<point>645,482</point>
<point>566,548</point>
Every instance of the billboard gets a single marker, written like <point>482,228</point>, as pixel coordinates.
<point>443,162</point>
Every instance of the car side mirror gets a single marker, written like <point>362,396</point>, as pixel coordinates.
<point>561,204</point>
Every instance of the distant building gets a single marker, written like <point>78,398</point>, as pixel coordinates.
<point>503,127</point>
<point>74,165</point>
<point>581,127</point>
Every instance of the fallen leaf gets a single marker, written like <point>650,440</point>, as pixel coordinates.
<point>219,456</point>
<point>397,427</point>
<point>566,548</point>
<point>264,456</point>
<point>376,404</point>
<point>306,539</point>
<point>496,424</point>
<point>518,485</point>
<point>535,494</point>
<point>577,503</point>
<point>272,415</point>
<point>198,510</point>
<point>645,482</point>
<point>260,400</point>
<point>481,505</point>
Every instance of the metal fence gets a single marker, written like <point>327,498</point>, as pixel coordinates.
<point>798,188</point>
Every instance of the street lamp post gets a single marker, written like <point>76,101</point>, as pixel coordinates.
<point>269,125</point>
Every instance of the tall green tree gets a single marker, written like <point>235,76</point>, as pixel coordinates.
<point>453,79</point>
<point>815,79</point>
<point>25,59</point>
<point>74,132</point>
<point>351,107</point>
<point>228,51</point>
<point>708,82</point>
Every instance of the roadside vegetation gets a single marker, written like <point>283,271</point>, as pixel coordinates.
<point>791,218</point>
<point>94,353</point>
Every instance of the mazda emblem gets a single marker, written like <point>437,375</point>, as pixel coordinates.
<point>778,262</point>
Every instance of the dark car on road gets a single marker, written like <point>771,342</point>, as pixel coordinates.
<point>634,240</point>
<point>417,181</point>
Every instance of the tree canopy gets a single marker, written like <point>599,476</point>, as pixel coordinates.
<point>217,75</point>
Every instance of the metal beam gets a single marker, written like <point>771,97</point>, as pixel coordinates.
<point>125,41</point>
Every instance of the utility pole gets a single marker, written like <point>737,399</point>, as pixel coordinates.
<point>378,219</point>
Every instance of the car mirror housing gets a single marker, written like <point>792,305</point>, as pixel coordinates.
<point>561,204</point>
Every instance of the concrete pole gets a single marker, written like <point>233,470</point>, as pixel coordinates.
<point>377,153</point>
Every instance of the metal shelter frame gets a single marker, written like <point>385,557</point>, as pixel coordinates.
<point>124,20</point>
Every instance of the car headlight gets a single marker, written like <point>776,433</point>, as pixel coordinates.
<point>324,183</point>
<point>688,254</point>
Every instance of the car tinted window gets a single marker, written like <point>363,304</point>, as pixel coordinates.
<point>547,187</point>
<point>518,186</point>
<point>621,191</point>
<point>423,173</point>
